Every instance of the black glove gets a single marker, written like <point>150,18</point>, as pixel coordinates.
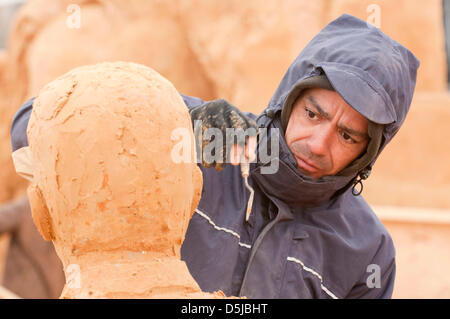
<point>220,114</point>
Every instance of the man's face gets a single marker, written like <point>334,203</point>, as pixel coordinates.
<point>324,133</point>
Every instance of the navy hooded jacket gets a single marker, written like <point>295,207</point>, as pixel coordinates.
<point>305,238</point>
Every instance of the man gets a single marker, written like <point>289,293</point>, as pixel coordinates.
<point>308,235</point>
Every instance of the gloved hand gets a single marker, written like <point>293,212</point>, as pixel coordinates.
<point>220,115</point>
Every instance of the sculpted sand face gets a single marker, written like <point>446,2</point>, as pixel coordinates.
<point>105,188</point>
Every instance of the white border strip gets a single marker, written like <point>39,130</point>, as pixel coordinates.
<point>222,228</point>
<point>315,274</point>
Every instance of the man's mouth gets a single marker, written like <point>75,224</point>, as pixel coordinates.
<point>306,165</point>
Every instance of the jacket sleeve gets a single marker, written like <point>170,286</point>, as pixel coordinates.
<point>21,155</point>
<point>191,102</point>
<point>19,125</point>
<point>377,281</point>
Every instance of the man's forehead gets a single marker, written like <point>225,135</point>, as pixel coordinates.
<point>327,103</point>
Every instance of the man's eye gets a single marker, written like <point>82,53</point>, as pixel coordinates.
<point>311,114</point>
<point>348,138</point>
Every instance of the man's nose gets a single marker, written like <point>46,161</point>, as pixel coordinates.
<point>319,141</point>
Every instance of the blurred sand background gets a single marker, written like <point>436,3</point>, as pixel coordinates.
<point>239,50</point>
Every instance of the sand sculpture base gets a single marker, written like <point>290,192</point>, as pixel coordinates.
<point>134,275</point>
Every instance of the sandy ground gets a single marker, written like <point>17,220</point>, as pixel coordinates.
<point>423,257</point>
<point>423,260</point>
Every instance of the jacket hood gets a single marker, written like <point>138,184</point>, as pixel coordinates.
<point>373,73</point>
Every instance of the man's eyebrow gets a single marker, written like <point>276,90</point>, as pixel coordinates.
<point>317,106</point>
<point>327,116</point>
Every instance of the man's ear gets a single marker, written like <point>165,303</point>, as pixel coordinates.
<point>39,212</point>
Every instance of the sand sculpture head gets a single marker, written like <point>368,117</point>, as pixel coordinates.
<point>105,188</point>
